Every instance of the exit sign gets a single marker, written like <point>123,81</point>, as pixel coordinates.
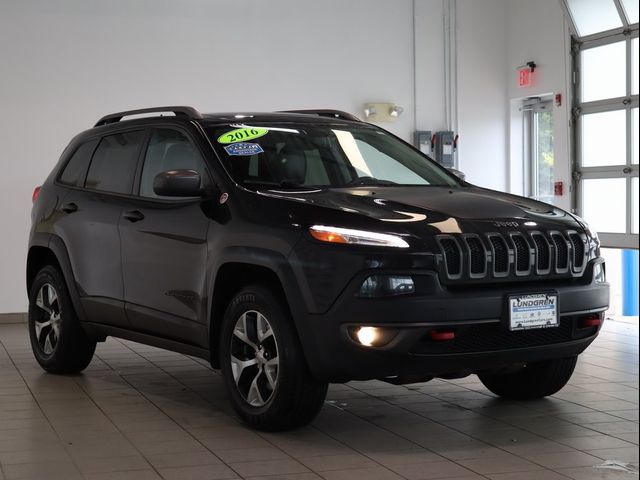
<point>524,77</point>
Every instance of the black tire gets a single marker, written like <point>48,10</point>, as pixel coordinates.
<point>70,350</point>
<point>297,397</point>
<point>535,380</point>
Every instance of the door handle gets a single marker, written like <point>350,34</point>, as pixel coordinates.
<point>69,207</point>
<point>133,215</point>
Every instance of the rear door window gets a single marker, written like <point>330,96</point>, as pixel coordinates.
<point>114,162</point>
<point>76,168</point>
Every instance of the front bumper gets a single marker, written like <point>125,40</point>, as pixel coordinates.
<point>477,314</point>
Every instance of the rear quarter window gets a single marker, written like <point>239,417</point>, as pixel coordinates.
<point>75,169</point>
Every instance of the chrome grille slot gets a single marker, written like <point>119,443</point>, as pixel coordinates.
<point>543,253</point>
<point>452,256</point>
<point>523,254</point>
<point>562,252</point>
<point>579,250</point>
<point>477,256</point>
<point>500,255</point>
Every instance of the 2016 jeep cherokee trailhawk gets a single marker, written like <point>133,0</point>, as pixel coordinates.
<point>293,249</point>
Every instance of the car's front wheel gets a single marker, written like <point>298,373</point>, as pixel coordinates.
<point>263,366</point>
<point>535,380</point>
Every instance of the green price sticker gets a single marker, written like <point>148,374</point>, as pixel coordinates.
<point>242,135</point>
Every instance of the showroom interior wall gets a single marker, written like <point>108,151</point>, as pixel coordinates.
<point>538,31</point>
<point>66,63</point>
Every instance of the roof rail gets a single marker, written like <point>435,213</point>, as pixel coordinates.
<point>189,112</point>
<point>327,113</point>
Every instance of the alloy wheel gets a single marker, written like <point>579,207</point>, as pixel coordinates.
<point>47,325</point>
<point>254,358</point>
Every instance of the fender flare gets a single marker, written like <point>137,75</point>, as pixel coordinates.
<point>279,265</point>
<point>59,250</point>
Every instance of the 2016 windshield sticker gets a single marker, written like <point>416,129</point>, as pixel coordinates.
<point>242,135</point>
<point>243,149</point>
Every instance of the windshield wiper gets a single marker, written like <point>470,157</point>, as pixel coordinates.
<point>369,181</point>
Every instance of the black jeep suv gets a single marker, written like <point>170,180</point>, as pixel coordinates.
<point>293,249</point>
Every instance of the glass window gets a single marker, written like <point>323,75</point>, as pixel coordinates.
<point>323,155</point>
<point>631,10</point>
<point>634,66</point>
<point>593,16</point>
<point>76,168</point>
<point>113,166</point>
<point>169,150</point>
<point>635,202</point>
<point>604,138</point>
<point>635,127</point>
<point>545,160</point>
<point>603,72</point>
<point>604,203</point>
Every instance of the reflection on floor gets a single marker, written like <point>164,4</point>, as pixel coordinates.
<point>142,413</point>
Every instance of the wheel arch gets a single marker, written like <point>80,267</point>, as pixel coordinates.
<point>48,249</point>
<point>235,273</point>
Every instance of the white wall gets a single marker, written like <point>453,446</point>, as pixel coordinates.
<point>482,102</point>
<point>537,31</point>
<point>64,64</point>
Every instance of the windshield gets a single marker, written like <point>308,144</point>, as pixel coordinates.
<point>276,156</point>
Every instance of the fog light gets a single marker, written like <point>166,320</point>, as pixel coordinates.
<point>372,336</point>
<point>367,336</point>
<point>387,286</point>
<point>600,273</point>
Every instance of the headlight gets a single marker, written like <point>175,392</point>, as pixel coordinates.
<point>356,237</point>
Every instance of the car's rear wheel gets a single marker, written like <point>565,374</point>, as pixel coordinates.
<point>59,343</point>
<point>264,369</point>
<point>535,380</point>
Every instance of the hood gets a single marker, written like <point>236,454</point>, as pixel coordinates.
<point>449,210</point>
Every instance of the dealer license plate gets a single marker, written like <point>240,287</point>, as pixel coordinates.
<point>538,310</point>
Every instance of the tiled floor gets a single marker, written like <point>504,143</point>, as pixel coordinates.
<point>142,413</point>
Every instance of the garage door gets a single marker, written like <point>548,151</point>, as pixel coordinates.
<point>605,114</point>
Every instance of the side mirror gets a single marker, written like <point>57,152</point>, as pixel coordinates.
<point>457,173</point>
<point>178,183</point>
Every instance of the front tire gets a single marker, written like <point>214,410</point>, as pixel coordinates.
<point>535,380</point>
<point>59,343</point>
<point>264,369</point>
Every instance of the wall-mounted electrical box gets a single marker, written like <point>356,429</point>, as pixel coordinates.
<point>422,141</point>
<point>444,148</point>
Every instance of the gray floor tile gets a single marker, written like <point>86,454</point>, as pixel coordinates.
<point>142,413</point>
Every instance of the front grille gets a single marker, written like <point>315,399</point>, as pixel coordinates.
<point>517,255</point>
<point>500,254</point>
<point>543,252</point>
<point>579,249</point>
<point>453,256</point>
<point>562,252</point>
<point>523,255</point>
<point>477,256</point>
<point>496,337</point>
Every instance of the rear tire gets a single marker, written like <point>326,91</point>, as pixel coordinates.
<point>263,366</point>
<point>535,380</point>
<point>59,343</point>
